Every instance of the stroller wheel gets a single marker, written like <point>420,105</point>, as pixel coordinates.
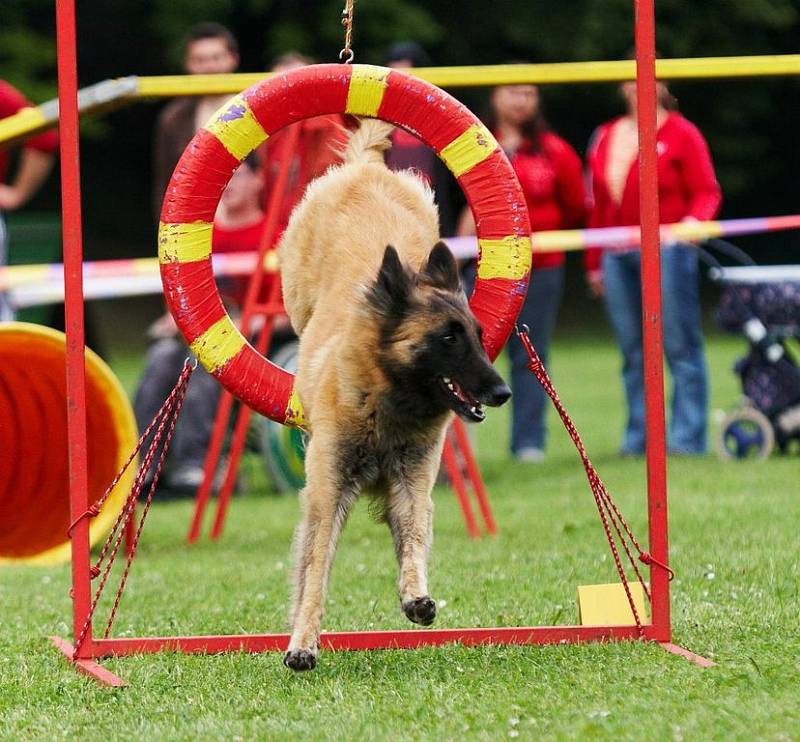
<point>283,448</point>
<point>745,434</point>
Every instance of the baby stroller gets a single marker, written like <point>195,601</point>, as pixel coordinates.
<point>762,303</point>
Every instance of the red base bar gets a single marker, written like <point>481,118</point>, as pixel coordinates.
<point>686,654</point>
<point>88,667</point>
<point>357,640</point>
<point>360,640</point>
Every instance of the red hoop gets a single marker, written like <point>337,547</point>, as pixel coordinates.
<point>462,142</point>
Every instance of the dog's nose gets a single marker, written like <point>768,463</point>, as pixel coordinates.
<point>498,395</point>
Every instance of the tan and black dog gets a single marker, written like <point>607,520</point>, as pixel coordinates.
<point>388,351</point>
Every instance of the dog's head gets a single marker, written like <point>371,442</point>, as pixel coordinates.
<point>429,341</point>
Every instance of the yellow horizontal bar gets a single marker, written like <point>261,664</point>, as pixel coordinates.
<point>508,74</point>
<point>31,120</point>
<point>169,86</point>
<point>592,72</point>
<point>26,122</point>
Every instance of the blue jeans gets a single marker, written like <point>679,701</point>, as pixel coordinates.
<point>163,365</point>
<point>529,401</point>
<point>6,311</point>
<point>683,344</point>
<point>539,312</point>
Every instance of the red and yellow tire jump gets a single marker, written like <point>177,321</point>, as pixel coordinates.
<point>462,142</point>
<point>34,487</point>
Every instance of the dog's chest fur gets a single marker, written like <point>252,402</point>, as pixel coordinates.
<point>379,449</point>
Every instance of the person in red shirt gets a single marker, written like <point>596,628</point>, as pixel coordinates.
<point>35,164</point>
<point>239,224</point>
<point>550,173</point>
<point>687,190</point>
<point>238,227</point>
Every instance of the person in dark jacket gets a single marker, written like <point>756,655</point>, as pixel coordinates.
<point>409,153</point>
<point>210,49</point>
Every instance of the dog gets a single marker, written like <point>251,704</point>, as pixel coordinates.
<point>389,351</point>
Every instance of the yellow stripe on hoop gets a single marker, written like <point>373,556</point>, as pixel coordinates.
<point>294,411</point>
<point>219,344</point>
<point>468,149</point>
<point>509,257</point>
<point>236,127</point>
<point>367,86</point>
<point>184,243</point>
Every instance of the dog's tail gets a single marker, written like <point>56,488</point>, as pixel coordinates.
<point>368,143</point>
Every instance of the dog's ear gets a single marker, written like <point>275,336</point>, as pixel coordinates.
<point>390,292</point>
<point>441,269</point>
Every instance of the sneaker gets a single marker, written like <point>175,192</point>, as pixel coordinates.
<point>184,480</point>
<point>685,452</point>
<point>219,477</point>
<point>530,454</point>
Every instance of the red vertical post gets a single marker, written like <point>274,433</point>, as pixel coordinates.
<point>203,494</point>
<point>225,405</point>
<point>459,487</point>
<point>73,312</point>
<point>252,306</point>
<point>465,447</point>
<point>651,312</point>
<point>239,436</point>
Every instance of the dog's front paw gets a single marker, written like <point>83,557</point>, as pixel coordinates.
<point>300,659</point>
<point>420,610</point>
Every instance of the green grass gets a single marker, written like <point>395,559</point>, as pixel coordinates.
<point>735,599</point>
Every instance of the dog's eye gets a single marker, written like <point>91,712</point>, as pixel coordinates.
<point>453,333</point>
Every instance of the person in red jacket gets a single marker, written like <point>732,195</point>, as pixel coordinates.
<point>550,173</point>
<point>35,164</point>
<point>687,190</point>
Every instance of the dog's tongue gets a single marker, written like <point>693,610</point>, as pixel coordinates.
<point>464,397</point>
<point>461,394</point>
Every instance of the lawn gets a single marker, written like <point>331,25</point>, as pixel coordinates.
<point>734,547</point>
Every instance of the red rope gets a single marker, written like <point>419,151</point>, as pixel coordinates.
<point>164,420</point>
<point>123,580</point>
<point>610,515</point>
<point>94,510</point>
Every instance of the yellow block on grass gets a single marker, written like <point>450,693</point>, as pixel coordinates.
<point>607,605</point>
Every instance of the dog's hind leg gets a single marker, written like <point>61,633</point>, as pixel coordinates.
<point>325,507</point>
<point>409,513</point>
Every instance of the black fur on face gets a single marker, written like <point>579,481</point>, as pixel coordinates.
<point>389,295</point>
<point>430,343</point>
<point>441,270</point>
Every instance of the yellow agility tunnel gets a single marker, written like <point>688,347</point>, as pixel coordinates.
<point>34,469</point>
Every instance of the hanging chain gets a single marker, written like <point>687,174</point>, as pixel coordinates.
<point>346,55</point>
